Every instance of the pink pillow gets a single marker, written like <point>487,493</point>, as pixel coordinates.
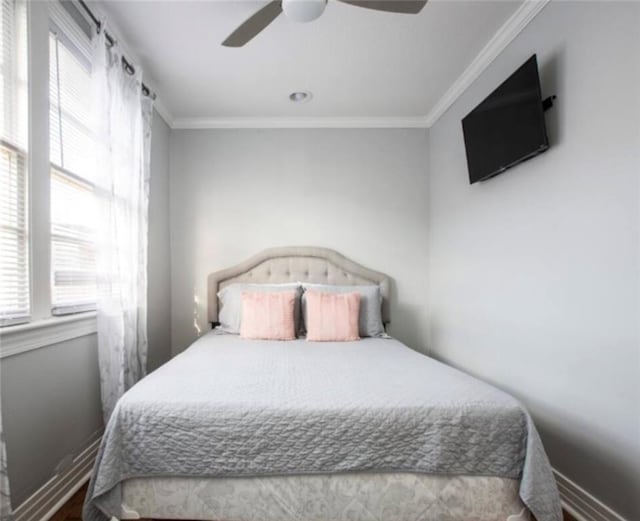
<point>268,316</point>
<point>332,316</point>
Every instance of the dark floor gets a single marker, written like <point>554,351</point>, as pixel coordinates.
<point>72,509</point>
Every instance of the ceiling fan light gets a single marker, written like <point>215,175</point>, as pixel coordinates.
<point>303,10</point>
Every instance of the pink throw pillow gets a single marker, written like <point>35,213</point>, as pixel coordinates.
<point>268,316</point>
<point>332,316</point>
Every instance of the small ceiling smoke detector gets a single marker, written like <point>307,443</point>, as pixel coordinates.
<point>300,97</point>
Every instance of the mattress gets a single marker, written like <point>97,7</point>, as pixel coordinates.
<point>359,496</point>
<point>234,408</point>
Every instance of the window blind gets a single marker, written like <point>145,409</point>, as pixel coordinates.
<point>14,238</point>
<point>73,225</point>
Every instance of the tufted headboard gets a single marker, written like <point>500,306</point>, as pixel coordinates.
<point>296,264</point>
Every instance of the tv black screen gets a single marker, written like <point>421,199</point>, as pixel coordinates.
<point>508,126</point>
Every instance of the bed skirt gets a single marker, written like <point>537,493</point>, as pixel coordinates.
<point>362,496</point>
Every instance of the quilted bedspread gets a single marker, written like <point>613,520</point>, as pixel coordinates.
<point>231,407</point>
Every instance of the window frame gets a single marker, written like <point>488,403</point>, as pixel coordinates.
<point>79,47</point>
<point>43,327</point>
<point>16,145</point>
<point>22,157</point>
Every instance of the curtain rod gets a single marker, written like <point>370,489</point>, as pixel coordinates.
<point>111,42</point>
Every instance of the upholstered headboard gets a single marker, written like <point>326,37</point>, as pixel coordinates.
<point>296,264</point>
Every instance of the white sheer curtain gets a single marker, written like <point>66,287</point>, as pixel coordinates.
<point>123,135</point>
<point>5,496</point>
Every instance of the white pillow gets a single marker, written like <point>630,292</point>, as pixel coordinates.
<point>230,314</point>
<point>370,318</point>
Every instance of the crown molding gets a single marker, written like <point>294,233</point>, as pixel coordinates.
<point>503,37</point>
<point>300,122</point>
<point>163,111</point>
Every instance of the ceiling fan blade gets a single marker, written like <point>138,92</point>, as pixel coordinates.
<point>390,6</point>
<point>253,25</point>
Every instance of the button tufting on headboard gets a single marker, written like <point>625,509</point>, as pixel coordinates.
<point>297,264</point>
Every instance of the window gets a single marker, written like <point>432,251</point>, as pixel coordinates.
<point>47,200</point>
<point>14,224</point>
<point>73,208</point>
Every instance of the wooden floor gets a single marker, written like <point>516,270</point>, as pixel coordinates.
<point>72,509</point>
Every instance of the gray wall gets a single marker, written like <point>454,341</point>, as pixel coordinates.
<point>51,396</point>
<point>50,410</point>
<point>534,275</point>
<point>236,192</point>
<point>159,284</point>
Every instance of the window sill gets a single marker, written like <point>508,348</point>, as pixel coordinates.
<point>41,333</point>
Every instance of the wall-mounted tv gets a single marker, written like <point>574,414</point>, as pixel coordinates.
<point>508,126</point>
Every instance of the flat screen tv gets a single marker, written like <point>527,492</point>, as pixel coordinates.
<point>508,126</point>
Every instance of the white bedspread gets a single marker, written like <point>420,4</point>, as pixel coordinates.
<point>230,407</point>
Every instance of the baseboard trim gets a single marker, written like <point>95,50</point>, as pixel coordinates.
<point>582,505</point>
<point>66,497</point>
<point>49,498</point>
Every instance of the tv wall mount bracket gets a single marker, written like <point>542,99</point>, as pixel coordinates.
<point>547,103</point>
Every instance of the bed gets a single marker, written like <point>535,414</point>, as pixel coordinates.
<point>255,430</point>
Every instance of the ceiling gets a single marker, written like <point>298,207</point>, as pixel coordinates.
<point>357,63</point>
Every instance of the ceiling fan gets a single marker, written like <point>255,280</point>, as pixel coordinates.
<point>308,10</point>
